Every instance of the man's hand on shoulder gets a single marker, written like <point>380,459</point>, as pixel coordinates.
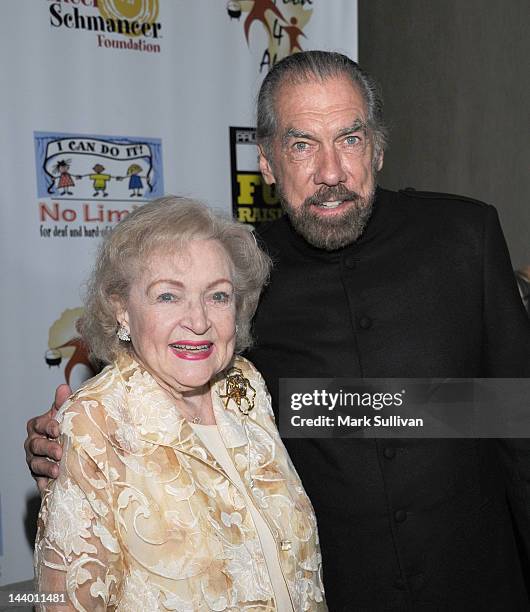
<point>41,446</point>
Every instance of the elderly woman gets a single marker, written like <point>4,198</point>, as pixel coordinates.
<point>175,491</point>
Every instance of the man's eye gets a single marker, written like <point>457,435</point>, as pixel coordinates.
<point>352,140</point>
<point>166,297</point>
<point>301,146</point>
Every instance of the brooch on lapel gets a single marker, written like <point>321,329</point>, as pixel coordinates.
<point>239,390</point>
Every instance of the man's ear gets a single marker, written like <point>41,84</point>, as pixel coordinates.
<point>265,167</point>
<point>379,162</point>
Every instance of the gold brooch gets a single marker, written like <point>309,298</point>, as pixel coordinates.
<point>238,388</point>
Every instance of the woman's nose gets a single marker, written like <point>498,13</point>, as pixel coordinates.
<point>196,317</point>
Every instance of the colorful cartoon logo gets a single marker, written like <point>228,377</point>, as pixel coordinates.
<point>80,178</point>
<point>284,25</point>
<point>66,348</point>
<point>88,167</point>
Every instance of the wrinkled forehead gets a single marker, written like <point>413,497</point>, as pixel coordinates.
<point>184,257</point>
<point>312,104</point>
<point>315,93</point>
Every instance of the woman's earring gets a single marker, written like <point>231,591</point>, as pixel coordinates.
<point>123,334</point>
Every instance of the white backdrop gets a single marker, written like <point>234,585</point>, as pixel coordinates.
<point>81,99</point>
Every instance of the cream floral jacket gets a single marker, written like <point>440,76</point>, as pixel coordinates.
<point>142,517</point>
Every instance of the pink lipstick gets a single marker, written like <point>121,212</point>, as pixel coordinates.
<point>191,350</point>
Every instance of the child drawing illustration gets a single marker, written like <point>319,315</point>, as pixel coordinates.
<point>65,179</point>
<point>99,180</point>
<point>135,180</point>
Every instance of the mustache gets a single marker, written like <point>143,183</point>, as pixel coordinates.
<point>331,194</point>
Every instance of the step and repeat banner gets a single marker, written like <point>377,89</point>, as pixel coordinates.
<point>105,105</point>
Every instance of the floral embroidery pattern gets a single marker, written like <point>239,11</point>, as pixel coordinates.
<point>142,517</point>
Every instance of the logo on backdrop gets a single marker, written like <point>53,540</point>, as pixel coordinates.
<point>67,350</point>
<point>86,183</point>
<point>116,24</point>
<point>253,201</point>
<point>283,23</point>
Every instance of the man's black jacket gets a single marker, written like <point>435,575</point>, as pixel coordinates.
<point>427,291</point>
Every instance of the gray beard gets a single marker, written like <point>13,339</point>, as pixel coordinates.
<point>333,233</point>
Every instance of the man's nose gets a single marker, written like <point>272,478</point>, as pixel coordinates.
<point>330,170</point>
<point>196,317</point>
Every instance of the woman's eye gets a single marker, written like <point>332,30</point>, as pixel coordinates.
<point>166,297</point>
